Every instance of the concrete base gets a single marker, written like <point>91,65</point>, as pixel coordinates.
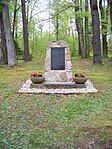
<point>57,85</point>
<point>26,88</point>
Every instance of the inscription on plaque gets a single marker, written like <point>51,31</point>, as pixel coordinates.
<point>57,58</point>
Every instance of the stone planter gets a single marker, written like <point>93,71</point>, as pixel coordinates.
<point>80,80</point>
<point>37,80</point>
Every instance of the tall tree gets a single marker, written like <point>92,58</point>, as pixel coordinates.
<point>111,13</point>
<point>4,59</point>
<point>25,32</point>
<point>31,6</point>
<point>14,19</point>
<point>55,15</point>
<point>96,32</point>
<point>79,25</point>
<point>87,50</point>
<point>104,23</point>
<point>8,35</point>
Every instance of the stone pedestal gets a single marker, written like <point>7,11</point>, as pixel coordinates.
<point>61,70</point>
<point>57,85</point>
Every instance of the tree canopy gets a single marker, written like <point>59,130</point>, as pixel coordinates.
<point>39,22</point>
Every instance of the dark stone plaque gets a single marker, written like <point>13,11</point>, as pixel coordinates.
<point>57,58</point>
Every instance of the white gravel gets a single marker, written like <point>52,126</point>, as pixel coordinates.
<point>26,89</point>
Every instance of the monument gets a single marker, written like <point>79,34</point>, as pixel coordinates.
<point>58,66</point>
<point>58,74</point>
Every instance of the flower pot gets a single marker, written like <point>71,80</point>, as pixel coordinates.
<point>37,80</point>
<point>80,80</point>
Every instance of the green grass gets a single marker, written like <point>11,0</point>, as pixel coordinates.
<point>30,121</point>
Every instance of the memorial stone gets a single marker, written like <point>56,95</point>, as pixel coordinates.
<point>58,66</point>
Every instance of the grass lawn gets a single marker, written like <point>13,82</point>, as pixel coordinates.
<point>31,121</point>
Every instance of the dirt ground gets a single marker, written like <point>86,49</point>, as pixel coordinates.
<point>95,139</point>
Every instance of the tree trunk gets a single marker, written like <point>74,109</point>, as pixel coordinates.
<point>25,32</point>
<point>57,28</point>
<point>57,20</point>
<point>111,13</point>
<point>87,50</point>
<point>80,32</point>
<point>8,35</point>
<point>16,28</point>
<point>96,32</point>
<point>104,16</point>
<point>4,59</point>
<point>104,45</point>
<point>14,19</point>
<point>81,39</point>
<point>79,45</point>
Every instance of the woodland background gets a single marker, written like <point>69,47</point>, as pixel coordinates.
<point>85,25</point>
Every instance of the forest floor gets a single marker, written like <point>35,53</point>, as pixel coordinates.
<point>31,121</point>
